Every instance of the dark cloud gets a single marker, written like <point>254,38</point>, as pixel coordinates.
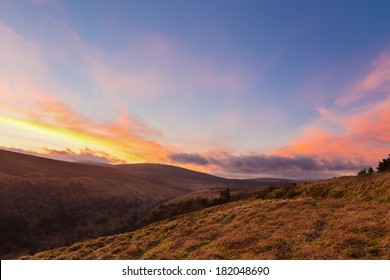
<point>255,164</point>
<point>184,158</point>
<point>85,155</point>
<point>262,163</point>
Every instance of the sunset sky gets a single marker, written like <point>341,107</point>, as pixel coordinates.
<point>297,89</point>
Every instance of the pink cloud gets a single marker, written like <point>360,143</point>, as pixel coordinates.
<point>377,80</point>
<point>360,133</point>
<point>29,91</point>
<point>25,74</point>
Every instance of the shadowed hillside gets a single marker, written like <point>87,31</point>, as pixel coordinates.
<point>341,218</point>
<point>47,203</point>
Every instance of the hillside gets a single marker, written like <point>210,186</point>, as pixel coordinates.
<point>341,218</point>
<point>48,203</point>
<point>369,187</point>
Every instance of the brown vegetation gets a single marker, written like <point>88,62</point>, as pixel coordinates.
<point>340,218</point>
<point>48,203</point>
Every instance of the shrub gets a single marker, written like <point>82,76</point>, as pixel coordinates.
<point>225,195</point>
<point>362,172</point>
<point>384,165</point>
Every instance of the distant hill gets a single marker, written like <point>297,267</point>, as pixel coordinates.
<point>47,203</point>
<point>340,218</point>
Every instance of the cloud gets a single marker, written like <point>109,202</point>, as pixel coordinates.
<point>83,87</point>
<point>63,127</point>
<point>376,81</point>
<point>184,158</point>
<point>35,108</point>
<point>72,99</point>
<point>84,155</point>
<point>363,138</point>
<point>160,70</point>
<point>254,164</point>
<point>359,132</point>
<point>26,76</point>
<point>340,140</point>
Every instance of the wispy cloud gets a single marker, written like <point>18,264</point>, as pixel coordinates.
<point>78,99</point>
<point>359,132</point>
<point>340,140</point>
<point>364,138</point>
<point>376,81</point>
<point>34,106</point>
<point>66,128</point>
<point>70,83</point>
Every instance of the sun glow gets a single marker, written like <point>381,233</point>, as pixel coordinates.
<point>33,135</point>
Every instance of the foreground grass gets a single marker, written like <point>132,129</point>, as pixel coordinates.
<point>303,228</point>
<point>340,218</point>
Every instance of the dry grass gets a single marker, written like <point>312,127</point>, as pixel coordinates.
<point>340,218</point>
<point>302,228</point>
<point>370,187</point>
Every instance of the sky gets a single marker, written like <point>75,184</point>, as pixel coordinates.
<point>240,89</point>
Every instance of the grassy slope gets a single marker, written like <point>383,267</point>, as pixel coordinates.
<point>341,218</point>
<point>375,187</point>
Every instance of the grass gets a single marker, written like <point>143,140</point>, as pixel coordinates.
<point>252,229</point>
<point>340,218</point>
<point>370,187</point>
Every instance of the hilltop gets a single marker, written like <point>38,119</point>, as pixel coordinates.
<point>340,218</point>
<point>47,203</point>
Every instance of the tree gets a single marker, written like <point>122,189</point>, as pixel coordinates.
<point>225,195</point>
<point>370,170</point>
<point>362,172</point>
<point>384,165</point>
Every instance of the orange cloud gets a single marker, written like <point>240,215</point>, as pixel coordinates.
<point>63,126</point>
<point>360,137</point>
<point>34,97</point>
<point>84,155</point>
<point>360,133</point>
<point>34,117</point>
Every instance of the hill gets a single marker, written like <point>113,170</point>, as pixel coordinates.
<point>47,203</point>
<point>369,187</point>
<point>340,218</point>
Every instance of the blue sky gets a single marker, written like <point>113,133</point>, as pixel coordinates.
<point>249,82</point>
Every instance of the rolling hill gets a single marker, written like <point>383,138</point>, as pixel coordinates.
<point>340,218</point>
<point>47,203</point>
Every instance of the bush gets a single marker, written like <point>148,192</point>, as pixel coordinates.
<point>384,165</point>
<point>362,172</point>
<point>225,195</point>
